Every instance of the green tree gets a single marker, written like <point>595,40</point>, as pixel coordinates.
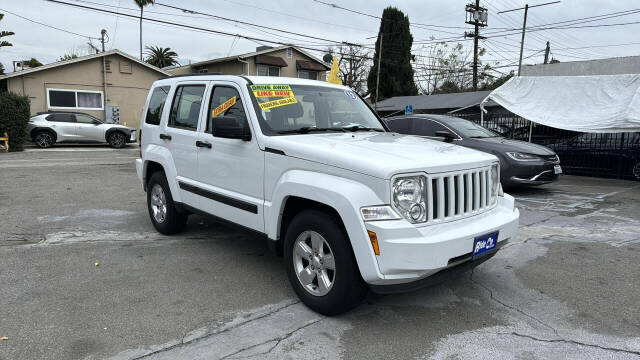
<point>141,4</point>
<point>161,57</point>
<point>1,69</point>
<point>497,82</point>
<point>5,34</point>
<point>69,56</point>
<point>396,73</point>
<point>448,87</point>
<point>32,63</point>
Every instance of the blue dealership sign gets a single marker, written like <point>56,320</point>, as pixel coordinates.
<point>408,110</point>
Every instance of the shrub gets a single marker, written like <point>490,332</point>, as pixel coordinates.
<point>14,116</point>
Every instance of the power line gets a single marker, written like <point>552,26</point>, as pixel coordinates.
<point>49,26</point>
<point>186,26</point>
<point>248,23</point>
<point>424,26</point>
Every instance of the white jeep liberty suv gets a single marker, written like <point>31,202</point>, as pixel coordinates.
<point>351,205</point>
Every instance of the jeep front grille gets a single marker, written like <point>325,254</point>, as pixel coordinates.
<point>459,194</point>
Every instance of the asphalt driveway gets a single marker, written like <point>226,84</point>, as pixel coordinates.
<point>83,274</point>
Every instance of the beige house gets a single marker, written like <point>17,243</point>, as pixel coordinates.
<point>110,85</point>
<point>285,61</point>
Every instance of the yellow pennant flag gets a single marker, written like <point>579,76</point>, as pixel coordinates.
<point>333,75</point>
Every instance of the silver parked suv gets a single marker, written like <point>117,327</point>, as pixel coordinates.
<point>48,128</point>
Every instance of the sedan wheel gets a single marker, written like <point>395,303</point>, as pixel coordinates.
<point>116,140</point>
<point>314,263</point>
<point>44,139</point>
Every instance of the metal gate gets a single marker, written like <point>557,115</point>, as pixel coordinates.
<point>589,154</point>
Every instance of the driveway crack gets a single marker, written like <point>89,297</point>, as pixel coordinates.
<point>490,291</point>
<point>565,341</point>
<point>217,331</point>
<point>277,340</point>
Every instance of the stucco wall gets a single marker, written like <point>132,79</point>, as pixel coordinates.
<point>126,90</point>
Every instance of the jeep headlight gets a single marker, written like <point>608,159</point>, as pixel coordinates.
<point>495,182</point>
<point>408,198</point>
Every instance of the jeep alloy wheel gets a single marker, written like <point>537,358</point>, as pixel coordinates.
<point>314,263</point>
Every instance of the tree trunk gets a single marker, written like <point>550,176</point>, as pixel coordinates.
<point>141,9</point>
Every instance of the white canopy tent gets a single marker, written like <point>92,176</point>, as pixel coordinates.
<point>598,103</point>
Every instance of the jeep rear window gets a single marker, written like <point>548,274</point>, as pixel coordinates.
<point>287,108</point>
<point>156,105</point>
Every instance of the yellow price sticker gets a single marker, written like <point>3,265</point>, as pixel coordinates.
<point>223,107</point>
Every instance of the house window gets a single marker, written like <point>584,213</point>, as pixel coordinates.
<point>305,74</point>
<point>266,70</point>
<point>74,99</point>
<point>289,53</point>
<point>125,67</point>
<point>203,71</point>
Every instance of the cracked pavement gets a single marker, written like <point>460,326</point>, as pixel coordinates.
<point>566,288</point>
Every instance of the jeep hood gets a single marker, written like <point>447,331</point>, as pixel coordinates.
<point>379,154</point>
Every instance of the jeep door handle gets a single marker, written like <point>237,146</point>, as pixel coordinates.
<point>203,144</point>
<point>165,137</point>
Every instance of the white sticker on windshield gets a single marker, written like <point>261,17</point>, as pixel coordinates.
<point>350,94</point>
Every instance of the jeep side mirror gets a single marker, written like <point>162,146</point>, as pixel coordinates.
<point>230,127</point>
<point>448,137</point>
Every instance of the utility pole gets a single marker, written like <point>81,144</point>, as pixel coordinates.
<point>524,28</point>
<point>546,53</point>
<point>476,16</point>
<point>375,106</point>
<point>103,33</point>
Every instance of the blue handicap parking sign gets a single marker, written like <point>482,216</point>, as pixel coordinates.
<point>408,110</point>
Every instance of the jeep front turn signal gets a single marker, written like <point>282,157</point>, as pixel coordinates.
<point>374,242</point>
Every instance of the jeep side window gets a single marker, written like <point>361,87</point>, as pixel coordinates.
<point>225,101</point>
<point>186,107</point>
<point>156,105</point>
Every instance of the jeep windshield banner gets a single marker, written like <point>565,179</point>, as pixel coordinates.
<point>271,91</point>
<point>282,93</point>
<point>277,103</point>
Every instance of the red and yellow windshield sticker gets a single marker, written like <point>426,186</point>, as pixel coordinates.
<point>275,90</point>
<point>223,107</point>
<point>277,103</point>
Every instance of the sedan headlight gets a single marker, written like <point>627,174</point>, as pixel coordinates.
<point>408,198</point>
<point>518,156</point>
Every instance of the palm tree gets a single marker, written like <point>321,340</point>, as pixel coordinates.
<point>141,4</point>
<point>4,34</point>
<point>161,57</point>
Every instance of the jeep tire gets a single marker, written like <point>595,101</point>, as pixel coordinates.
<point>320,263</point>
<point>162,210</point>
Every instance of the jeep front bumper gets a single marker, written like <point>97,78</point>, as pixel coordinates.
<point>411,253</point>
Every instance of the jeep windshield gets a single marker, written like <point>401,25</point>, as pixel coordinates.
<point>299,109</point>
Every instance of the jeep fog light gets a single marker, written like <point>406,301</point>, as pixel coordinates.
<point>409,198</point>
<point>374,213</point>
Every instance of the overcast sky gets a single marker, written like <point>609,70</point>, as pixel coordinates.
<point>310,18</point>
